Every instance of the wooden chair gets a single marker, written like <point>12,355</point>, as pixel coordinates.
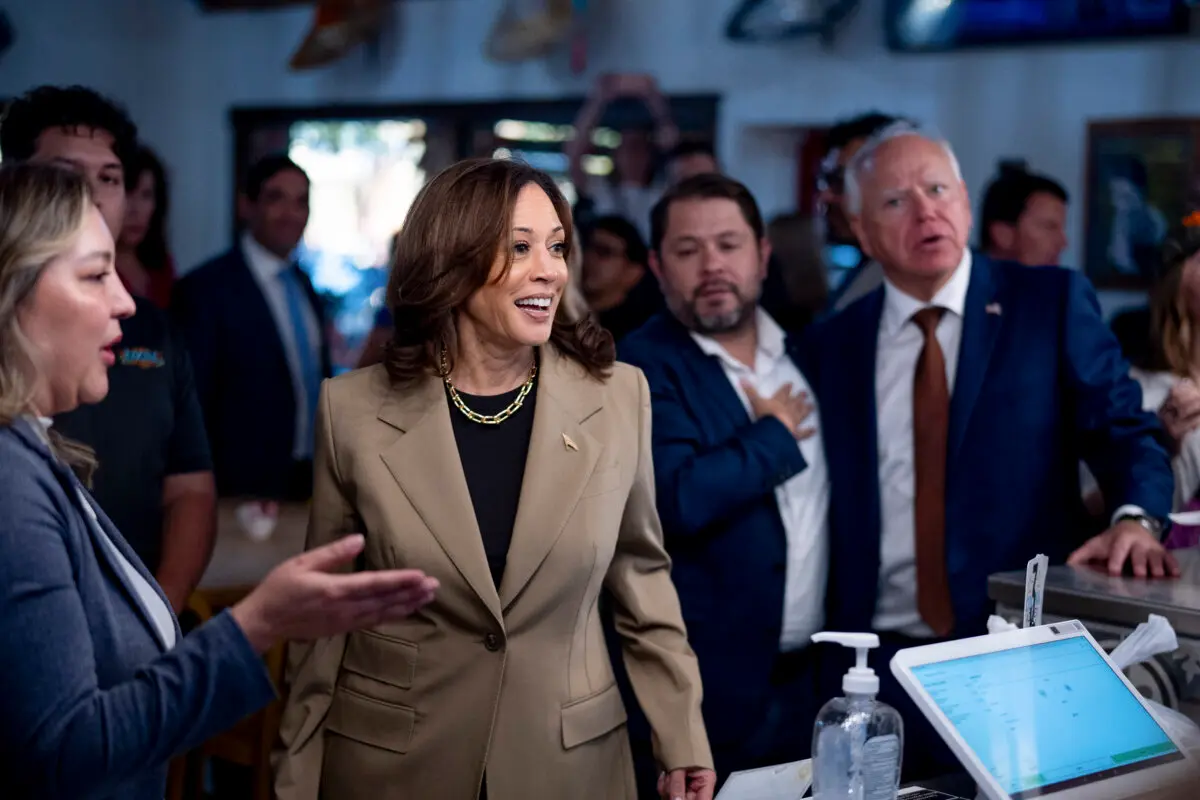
<point>248,743</point>
<point>177,774</point>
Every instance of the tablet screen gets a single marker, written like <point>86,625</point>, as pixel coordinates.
<point>1046,717</point>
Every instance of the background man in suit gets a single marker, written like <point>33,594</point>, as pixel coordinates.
<point>843,140</point>
<point>967,392</point>
<point>740,473</point>
<point>155,476</point>
<point>1024,218</point>
<point>256,331</point>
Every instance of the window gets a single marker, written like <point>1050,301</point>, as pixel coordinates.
<point>364,176</point>
<point>367,164</point>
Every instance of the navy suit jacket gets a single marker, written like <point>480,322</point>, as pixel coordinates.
<point>715,473</point>
<point>242,374</point>
<point>1041,384</point>
<point>94,707</point>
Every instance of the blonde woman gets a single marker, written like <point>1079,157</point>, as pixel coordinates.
<point>100,689</point>
<point>1171,380</point>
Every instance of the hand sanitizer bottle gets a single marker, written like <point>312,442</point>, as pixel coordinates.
<point>857,741</point>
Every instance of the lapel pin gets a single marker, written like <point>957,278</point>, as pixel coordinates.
<point>992,308</point>
<point>569,442</point>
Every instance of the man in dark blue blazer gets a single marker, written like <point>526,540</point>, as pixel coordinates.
<point>740,473</point>
<point>958,401</point>
<point>255,329</point>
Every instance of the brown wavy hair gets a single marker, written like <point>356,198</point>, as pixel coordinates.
<point>1171,324</point>
<point>457,226</point>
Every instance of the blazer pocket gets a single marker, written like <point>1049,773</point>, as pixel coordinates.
<point>592,717</point>
<point>388,726</point>
<point>603,480</point>
<point>381,658</point>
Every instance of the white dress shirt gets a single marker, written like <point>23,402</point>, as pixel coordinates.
<point>898,350</point>
<point>266,267</point>
<point>804,498</point>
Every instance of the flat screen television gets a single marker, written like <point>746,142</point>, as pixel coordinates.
<point>941,25</point>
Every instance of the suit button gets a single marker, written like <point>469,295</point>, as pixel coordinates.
<point>491,642</point>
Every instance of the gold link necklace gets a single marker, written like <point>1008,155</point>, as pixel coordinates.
<point>487,419</point>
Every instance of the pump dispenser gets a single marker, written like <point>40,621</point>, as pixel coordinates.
<point>857,741</point>
<point>861,679</point>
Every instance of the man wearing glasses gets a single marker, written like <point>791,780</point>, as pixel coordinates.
<point>861,274</point>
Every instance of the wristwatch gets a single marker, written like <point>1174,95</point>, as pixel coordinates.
<point>1148,522</point>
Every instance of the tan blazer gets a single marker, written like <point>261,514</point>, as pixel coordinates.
<point>518,679</point>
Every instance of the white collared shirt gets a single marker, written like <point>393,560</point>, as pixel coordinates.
<point>804,498</point>
<point>266,267</point>
<point>897,351</point>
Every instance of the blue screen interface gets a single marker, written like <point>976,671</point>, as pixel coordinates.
<point>1046,717</point>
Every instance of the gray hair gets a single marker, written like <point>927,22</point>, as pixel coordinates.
<point>863,161</point>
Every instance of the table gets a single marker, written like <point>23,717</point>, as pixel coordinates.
<point>238,562</point>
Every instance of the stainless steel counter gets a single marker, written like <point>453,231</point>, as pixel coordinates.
<point>1112,607</point>
<point>1087,594</point>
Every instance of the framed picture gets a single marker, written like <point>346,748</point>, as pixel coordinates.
<point>1141,182</point>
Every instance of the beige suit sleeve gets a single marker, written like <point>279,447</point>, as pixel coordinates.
<point>312,667</point>
<point>661,664</point>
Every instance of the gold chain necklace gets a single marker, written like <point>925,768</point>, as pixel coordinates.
<point>488,419</point>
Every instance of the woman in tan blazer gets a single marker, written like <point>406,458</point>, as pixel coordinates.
<point>500,450</point>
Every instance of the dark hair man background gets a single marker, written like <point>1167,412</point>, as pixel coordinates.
<point>155,476</point>
<point>690,158</point>
<point>255,328</point>
<point>843,140</point>
<point>1024,218</point>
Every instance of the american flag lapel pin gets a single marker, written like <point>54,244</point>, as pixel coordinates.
<point>569,443</point>
<point>992,308</point>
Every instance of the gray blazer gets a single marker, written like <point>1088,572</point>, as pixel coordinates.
<point>91,705</point>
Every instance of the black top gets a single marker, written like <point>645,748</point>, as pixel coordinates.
<point>493,461</point>
<point>148,427</point>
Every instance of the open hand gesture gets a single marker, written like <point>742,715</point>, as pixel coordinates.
<point>303,599</point>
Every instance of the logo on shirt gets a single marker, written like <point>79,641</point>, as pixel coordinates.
<point>141,357</point>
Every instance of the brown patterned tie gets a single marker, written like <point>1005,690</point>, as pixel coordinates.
<point>931,422</point>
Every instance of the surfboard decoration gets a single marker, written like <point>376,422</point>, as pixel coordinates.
<point>529,29</point>
<point>338,27</point>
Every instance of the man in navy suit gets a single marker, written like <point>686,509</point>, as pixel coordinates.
<point>740,473</point>
<point>959,399</point>
<point>255,329</point>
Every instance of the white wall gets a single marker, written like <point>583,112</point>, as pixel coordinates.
<point>180,70</point>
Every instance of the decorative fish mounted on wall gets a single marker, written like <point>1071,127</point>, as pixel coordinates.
<point>338,27</point>
<point>528,29</point>
<point>778,20</point>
